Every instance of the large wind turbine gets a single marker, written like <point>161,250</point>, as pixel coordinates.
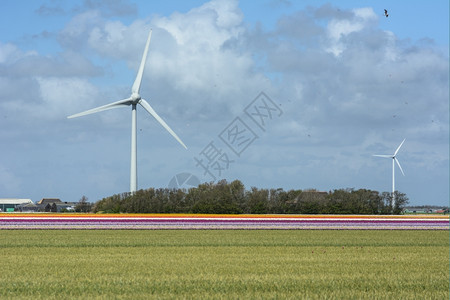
<point>134,100</point>
<point>394,160</point>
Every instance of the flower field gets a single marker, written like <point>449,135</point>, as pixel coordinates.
<point>192,221</point>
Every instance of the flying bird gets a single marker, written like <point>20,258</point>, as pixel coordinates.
<point>386,13</point>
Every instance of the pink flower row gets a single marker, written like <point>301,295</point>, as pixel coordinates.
<point>153,222</point>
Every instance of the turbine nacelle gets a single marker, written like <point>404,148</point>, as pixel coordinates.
<point>135,98</point>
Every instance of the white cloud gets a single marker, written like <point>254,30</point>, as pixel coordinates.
<point>199,63</point>
<point>64,96</point>
<point>187,55</point>
<point>340,28</point>
<point>209,25</point>
<point>7,53</point>
<point>75,33</point>
<point>10,53</point>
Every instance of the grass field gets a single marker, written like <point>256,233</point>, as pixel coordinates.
<point>215,264</point>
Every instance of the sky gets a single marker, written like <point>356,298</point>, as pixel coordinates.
<point>277,94</point>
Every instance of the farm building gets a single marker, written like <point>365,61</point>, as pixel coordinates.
<point>54,205</point>
<point>425,210</point>
<point>29,207</point>
<point>10,204</point>
<point>45,201</point>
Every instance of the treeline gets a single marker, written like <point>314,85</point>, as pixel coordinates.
<point>233,198</point>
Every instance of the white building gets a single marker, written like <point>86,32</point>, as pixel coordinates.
<point>9,204</point>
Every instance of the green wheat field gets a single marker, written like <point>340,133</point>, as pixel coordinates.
<point>224,264</point>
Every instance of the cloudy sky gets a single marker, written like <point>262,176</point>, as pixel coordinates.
<point>278,94</point>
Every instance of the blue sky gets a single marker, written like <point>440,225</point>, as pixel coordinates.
<point>343,82</point>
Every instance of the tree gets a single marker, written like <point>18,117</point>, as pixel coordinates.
<point>387,203</point>
<point>257,201</point>
<point>232,198</point>
<point>237,190</point>
<point>83,205</point>
<point>400,202</point>
<point>312,202</point>
<point>110,204</point>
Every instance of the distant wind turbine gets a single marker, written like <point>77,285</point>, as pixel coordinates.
<point>133,100</point>
<point>394,160</point>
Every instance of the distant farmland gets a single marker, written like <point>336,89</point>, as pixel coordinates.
<point>236,264</point>
<point>216,221</point>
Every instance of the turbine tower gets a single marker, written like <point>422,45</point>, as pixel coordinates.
<point>134,100</point>
<point>394,160</point>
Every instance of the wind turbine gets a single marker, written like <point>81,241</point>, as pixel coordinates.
<point>394,160</point>
<point>134,100</point>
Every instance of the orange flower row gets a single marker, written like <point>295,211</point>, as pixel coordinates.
<point>218,216</point>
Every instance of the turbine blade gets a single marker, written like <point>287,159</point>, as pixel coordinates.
<point>151,111</point>
<point>137,82</point>
<point>388,156</point>
<point>398,163</point>
<point>124,102</point>
<point>395,153</point>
